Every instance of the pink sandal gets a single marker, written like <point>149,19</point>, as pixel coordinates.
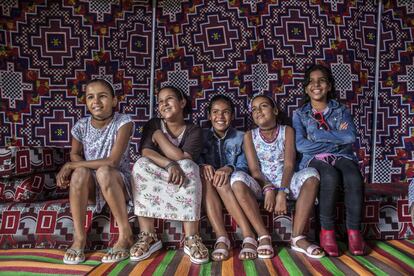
<point>222,251</point>
<point>267,247</point>
<point>244,250</point>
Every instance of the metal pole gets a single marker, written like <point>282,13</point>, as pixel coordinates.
<point>376,92</point>
<point>152,78</point>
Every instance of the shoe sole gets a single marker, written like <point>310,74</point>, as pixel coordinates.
<point>153,248</point>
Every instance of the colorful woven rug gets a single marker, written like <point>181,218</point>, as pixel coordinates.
<point>394,257</point>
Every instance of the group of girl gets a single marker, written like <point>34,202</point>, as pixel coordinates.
<point>183,167</point>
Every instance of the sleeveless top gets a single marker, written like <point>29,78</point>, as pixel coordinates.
<point>271,156</point>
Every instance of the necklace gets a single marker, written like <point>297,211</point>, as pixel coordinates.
<point>273,136</point>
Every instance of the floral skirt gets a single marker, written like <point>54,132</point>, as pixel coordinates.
<point>156,198</point>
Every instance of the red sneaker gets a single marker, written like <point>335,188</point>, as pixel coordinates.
<point>328,242</point>
<point>356,243</point>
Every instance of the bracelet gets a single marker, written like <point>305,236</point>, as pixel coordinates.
<point>267,186</point>
<point>171,164</point>
<point>266,189</point>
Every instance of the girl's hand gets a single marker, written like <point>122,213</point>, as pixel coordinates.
<point>207,172</point>
<point>63,176</point>
<point>176,175</point>
<point>343,126</point>
<point>281,206</point>
<point>269,202</point>
<point>221,177</point>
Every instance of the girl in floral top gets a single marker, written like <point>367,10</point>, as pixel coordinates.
<point>166,178</point>
<point>270,153</point>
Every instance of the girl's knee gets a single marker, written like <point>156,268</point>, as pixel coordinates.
<point>104,173</point>
<point>80,174</point>
<point>312,183</point>
<point>240,188</point>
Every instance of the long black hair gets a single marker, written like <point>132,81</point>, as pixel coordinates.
<point>328,75</point>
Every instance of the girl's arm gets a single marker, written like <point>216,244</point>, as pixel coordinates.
<point>290,158</point>
<point>169,149</point>
<point>288,170</point>
<point>156,157</point>
<point>252,160</point>
<point>304,145</point>
<point>342,136</point>
<point>254,167</point>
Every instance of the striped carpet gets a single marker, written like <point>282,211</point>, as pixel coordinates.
<point>394,257</point>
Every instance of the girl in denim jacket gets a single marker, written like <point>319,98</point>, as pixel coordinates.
<point>325,133</point>
<point>224,174</point>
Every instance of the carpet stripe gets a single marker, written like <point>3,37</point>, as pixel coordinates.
<point>388,262</point>
<point>304,259</point>
<point>63,270</point>
<point>289,263</point>
<point>184,265</point>
<point>298,261</point>
<point>370,266</point>
<point>226,267</point>
<point>195,269</point>
<point>384,267</point>
<point>206,270</point>
<point>101,269</point>
<point>354,265</point>
<point>278,265</point>
<point>164,263</point>
<point>154,264</point>
<point>237,265</point>
<point>387,255</point>
<point>25,273</point>
<point>140,267</point>
<point>249,268</point>
<point>27,264</point>
<point>270,267</point>
<point>395,253</point>
<point>119,267</point>
<point>261,267</point>
<point>336,267</point>
<point>14,257</point>
<point>403,247</point>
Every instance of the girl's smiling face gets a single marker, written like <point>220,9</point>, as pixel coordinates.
<point>263,112</point>
<point>220,116</point>
<point>100,101</point>
<point>169,105</point>
<point>318,87</point>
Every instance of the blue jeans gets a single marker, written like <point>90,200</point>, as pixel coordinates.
<point>344,174</point>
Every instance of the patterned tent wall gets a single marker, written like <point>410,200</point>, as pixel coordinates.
<point>49,49</point>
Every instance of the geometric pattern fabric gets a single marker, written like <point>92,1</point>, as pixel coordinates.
<point>48,50</point>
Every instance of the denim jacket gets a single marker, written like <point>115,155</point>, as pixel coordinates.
<point>312,140</point>
<point>225,151</point>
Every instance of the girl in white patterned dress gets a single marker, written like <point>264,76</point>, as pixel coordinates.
<point>270,153</point>
<point>166,178</point>
<point>99,170</point>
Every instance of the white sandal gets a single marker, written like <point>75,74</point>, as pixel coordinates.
<point>222,251</point>
<point>267,247</point>
<point>244,250</point>
<point>309,250</point>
